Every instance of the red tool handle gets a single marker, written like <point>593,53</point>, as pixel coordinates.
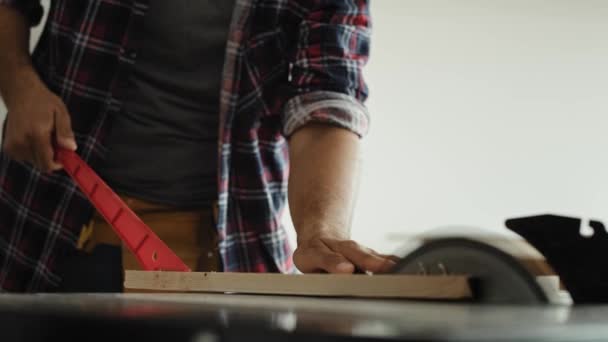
<point>151,252</point>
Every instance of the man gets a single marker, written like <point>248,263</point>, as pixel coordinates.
<point>134,87</point>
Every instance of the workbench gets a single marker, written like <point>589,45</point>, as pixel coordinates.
<point>231,317</point>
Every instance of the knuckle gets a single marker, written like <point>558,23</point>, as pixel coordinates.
<point>27,138</point>
<point>39,133</point>
<point>56,100</point>
<point>350,244</point>
<point>370,262</point>
<point>330,259</point>
<point>297,253</point>
<point>32,132</point>
<point>302,262</point>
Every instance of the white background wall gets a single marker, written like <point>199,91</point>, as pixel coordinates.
<point>482,110</point>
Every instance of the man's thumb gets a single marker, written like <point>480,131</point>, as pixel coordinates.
<point>309,260</point>
<point>63,130</point>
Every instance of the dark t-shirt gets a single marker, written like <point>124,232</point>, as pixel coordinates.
<point>163,145</point>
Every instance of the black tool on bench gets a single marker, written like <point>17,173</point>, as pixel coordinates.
<point>580,261</point>
<point>499,278</point>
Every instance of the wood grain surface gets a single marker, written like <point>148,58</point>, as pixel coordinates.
<point>333,285</point>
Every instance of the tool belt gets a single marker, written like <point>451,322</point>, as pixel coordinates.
<point>190,233</point>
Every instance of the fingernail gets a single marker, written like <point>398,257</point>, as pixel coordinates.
<point>345,267</point>
<point>71,144</point>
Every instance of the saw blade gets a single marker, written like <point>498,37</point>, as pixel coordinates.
<point>497,277</point>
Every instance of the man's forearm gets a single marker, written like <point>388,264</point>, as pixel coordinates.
<point>16,71</point>
<point>323,181</point>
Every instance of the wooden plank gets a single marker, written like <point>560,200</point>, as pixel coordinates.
<point>333,285</point>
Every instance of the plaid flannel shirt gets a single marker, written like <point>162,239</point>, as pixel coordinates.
<point>287,63</point>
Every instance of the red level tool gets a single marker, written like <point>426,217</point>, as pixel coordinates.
<point>151,252</point>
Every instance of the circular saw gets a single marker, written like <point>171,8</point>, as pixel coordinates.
<point>496,277</point>
<point>572,258</point>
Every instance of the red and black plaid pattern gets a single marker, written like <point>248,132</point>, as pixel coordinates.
<point>287,63</point>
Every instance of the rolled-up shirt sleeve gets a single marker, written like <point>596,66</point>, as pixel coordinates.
<point>31,9</point>
<point>326,64</point>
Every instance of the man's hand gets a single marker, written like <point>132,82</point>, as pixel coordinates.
<point>322,191</point>
<point>36,119</point>
<point>326,254</point>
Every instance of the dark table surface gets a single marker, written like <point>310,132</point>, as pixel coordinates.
<point>231,317</point>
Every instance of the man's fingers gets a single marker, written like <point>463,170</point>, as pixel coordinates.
<point>42,151</point>
<point>20,151</point>
<point>390,257</point>
<point>34,155</point>
<point>364,258</point>
<point>63,129</point>
<point>389,266</point>
<point>319,258</point>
